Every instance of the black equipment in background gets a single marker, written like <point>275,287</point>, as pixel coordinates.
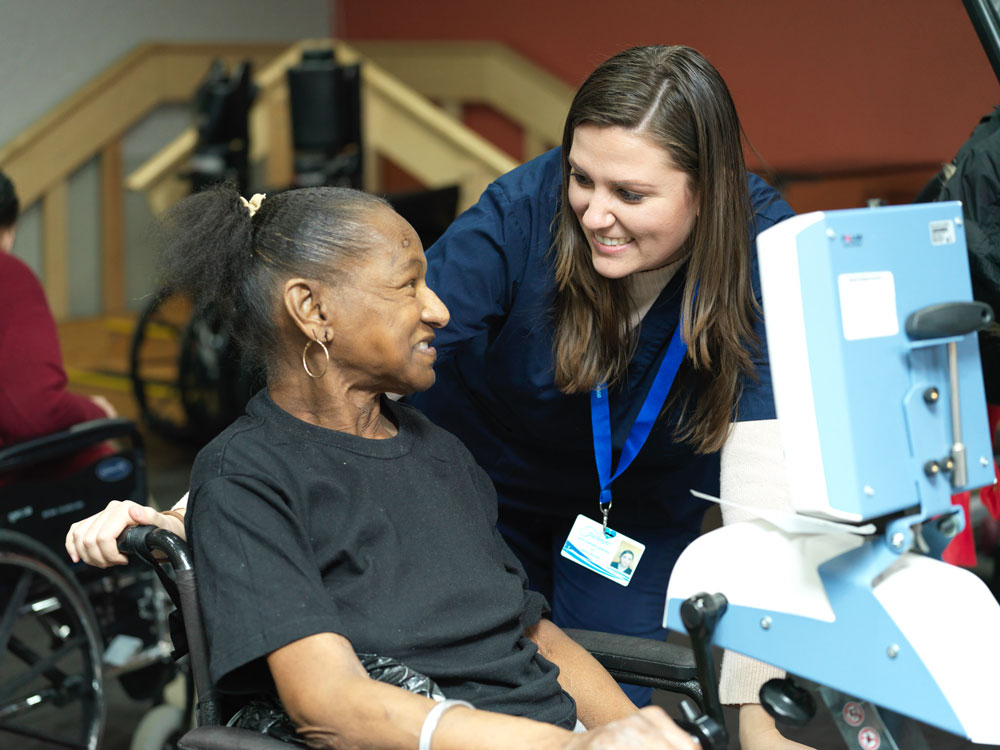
<point>430,212</point>
<point>325,102</point>
<point>222,108</point>
<point>985,17</point>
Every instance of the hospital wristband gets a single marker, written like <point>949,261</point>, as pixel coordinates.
<point>433,717</point>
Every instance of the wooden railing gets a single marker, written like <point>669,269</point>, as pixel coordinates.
<point>90,124</point>
<point>458,73</point>
<point>399,122</point>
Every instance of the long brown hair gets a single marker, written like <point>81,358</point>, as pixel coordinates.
<point>674,96</point>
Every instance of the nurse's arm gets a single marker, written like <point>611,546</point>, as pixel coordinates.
<point>753,475</point>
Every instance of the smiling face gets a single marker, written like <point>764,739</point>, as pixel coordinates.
<point>385,314</point>
<point>634,206</point>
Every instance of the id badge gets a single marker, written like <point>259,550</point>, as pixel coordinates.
<point>614,556</point>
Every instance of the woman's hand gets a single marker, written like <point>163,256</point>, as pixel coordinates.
<point>95,539</point>
<point>648,727</point>
<point>758,732</point>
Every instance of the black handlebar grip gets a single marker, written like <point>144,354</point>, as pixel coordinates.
<point>132,541</point>
<point>948,319</point>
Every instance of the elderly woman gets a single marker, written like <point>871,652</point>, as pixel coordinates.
<point>316,518</point>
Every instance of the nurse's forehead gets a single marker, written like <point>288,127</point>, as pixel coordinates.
<point>619,154</point>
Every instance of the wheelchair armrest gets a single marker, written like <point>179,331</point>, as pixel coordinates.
<point>73,440</point>
<point>637,655</point>
<point>228,738</point>
<point>644,662</point>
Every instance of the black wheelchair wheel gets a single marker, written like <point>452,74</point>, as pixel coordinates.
<point>154,360</point>
<point>213,384</point>
<point>186,370</point>
<point>51,679</point>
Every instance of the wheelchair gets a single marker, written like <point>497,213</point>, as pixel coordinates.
<point>65,632</point>
<point>639,661</point>
<point>186,372</point>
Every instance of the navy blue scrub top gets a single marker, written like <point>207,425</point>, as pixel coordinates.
<point>495,387</point>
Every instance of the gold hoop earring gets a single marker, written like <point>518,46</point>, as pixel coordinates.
<point>305,364</point>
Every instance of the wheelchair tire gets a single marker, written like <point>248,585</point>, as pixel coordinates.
<point>154,356</point>
<point>186,370</point>
<point>50,652</point>
<point>159,729</point>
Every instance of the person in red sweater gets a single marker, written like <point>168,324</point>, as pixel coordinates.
<point>33,396</point>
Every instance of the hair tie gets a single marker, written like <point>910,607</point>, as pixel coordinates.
<point>253,205</point>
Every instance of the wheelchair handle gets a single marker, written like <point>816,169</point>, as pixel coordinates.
<point>142,540</point>
<point>133,540</point>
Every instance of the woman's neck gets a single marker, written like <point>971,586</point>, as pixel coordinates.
<point>645,287</point>
<point>343,410</point>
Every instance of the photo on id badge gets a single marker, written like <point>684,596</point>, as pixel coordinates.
<point>612,555</point>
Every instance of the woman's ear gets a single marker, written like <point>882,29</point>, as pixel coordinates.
<point>306,306</point>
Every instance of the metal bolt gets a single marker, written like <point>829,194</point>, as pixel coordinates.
<point>958,221</point>
<point>983,461</point>
<point>931,468</point>
<point>892,651</point>
<point>830,233</point>
<point>897,540</point>
<point>948,526</point>
<point>931,395</point>
<point>765,623</point>
<point>869,490</point>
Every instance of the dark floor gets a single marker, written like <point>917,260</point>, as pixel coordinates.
<point>169,465</point>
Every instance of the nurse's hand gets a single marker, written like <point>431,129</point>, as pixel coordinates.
<point>94,540</point>
<point>758,732</point>
<point>648,728</point>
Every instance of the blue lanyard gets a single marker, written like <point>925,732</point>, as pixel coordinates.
<point>600,418</point>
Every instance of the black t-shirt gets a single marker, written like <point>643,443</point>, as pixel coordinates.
<point>299,530</point>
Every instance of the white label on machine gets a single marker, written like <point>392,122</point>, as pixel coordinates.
<point>868,305</point>
<point>942,232</point>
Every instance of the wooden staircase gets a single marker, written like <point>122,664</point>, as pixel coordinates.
<point>412,99</point>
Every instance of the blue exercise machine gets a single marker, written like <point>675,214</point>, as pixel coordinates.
<point>872,339</point>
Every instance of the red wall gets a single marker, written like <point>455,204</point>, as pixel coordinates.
<point>821,87</point>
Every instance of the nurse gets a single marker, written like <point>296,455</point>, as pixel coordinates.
<point>605,353</point>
